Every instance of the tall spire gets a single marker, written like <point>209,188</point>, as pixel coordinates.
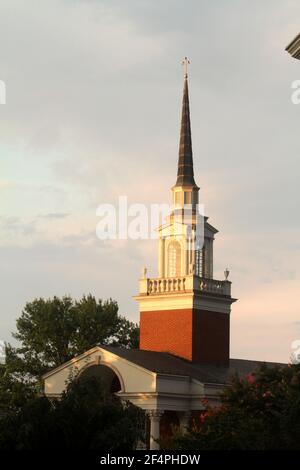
<point>185,173</point>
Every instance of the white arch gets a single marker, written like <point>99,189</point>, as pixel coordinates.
<point>97,362</point>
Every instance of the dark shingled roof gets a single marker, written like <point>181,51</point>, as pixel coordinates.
<point>294,47</point>
<point>164,363</point>
<point>185,173</point>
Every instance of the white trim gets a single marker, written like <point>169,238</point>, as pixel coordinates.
<point>88,353</point>
<point>184,300</point>
<point>74,359</point>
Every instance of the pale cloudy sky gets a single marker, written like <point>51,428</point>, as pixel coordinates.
<point>93,107</point>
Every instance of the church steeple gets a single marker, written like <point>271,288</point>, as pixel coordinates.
<point>185,172</point>
<point>185,190</point>
<point>185,311</point>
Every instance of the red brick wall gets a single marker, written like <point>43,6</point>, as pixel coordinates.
<point>167,331</point>
<point>196,335</point>
<point>211,337</point>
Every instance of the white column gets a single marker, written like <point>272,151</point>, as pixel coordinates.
<point>154,416</point>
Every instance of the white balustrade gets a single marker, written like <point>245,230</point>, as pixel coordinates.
<point>154,286</point>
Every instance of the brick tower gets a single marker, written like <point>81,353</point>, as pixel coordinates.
<point>185,311</point>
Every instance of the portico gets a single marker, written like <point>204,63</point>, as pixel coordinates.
<point>127,374</point>
<point>160,383</point>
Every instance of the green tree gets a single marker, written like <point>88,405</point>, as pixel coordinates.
<point>15,390</point>
<point>52,331</point>
<point>86,418</point>
<point>260,411</point>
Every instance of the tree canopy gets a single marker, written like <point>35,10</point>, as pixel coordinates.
<point>85,418</point>
<point>52,331</point>
<point>259,412</point>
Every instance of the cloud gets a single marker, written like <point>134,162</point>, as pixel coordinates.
<point>5,184</point>
<point>53,215</point>
<point>92,113</point>
<point>265,320</point>
<point>13,226</point>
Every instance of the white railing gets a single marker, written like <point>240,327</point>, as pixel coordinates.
<point>163,285</point>
<point>212,286</point>
<point>154,286</point>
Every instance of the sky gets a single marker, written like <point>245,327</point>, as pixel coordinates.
<point>93,96</point>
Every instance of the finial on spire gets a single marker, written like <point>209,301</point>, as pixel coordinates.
<point>185,64</point>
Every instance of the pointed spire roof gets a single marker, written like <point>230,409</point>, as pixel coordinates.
<point>185,172</point>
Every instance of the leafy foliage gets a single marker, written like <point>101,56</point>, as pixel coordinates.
<point>85,418</point>
<point>14,392</point>
<point>260,411</point>
<point>52,331</point>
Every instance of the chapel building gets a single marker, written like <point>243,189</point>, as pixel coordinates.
<point>184,355</point>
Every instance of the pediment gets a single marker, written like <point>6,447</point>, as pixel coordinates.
<point>132,376</point>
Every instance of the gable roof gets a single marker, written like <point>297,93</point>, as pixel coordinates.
<point>83,356</point>
<point>164,363</point>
